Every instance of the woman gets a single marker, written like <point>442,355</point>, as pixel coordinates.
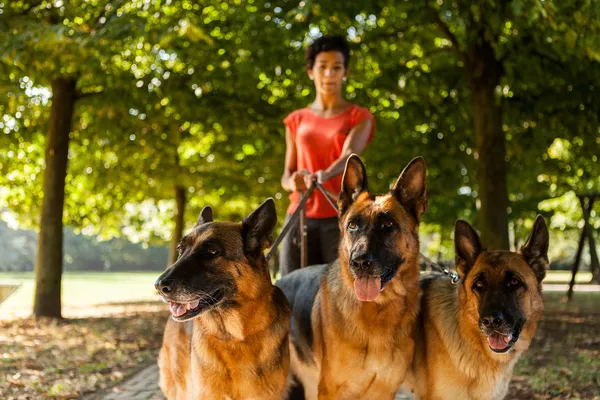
<point>319,139</point>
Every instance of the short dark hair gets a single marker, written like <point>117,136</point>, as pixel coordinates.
<point>327,43</point>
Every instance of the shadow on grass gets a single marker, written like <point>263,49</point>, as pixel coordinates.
<point>563,361</point>
<point>66,358</point>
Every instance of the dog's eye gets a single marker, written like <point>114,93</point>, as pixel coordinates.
<point>388,224</point>
<point>352,226</point>
<point>179,249</point>
<point>514,282</point>
<point>479,285</point>
<point>213,252</point>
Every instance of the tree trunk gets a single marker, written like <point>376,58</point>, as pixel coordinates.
<point>484,73</point>
<point>595,267</point>
<point>575,267</point>
<point>179,221</point>
<point>48,266</point>
<point>589,232</point>
<point>586,208</point>
<point>516,226</point>
<point>439,253</point>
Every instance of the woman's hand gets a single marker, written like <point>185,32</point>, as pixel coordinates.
<point>300,180</point>
<point>320,176</point>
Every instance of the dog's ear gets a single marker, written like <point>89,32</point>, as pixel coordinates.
<point>411,187</point>
<point>467,246</point>
<point>354,182</point>
<point>535,249</point>
<point>257,228</point>
<point>206,215</point>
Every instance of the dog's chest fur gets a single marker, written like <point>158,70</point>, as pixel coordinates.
<point>362,350</point>
<point>370,353</point>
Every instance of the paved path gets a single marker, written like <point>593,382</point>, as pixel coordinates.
<point>144,386</point>
<point>141,386</point>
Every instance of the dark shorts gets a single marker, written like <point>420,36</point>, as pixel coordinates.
<point>323,236</point>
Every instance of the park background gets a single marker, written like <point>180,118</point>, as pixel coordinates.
<point>120,120</point>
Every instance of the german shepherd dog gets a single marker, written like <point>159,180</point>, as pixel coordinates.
<point>228,337</point>
<point>470,335</point>
<point>352,320</point>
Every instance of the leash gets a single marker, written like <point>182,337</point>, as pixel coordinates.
<point>454,277</point>
<point>330,197</point>
<point>288,226</point>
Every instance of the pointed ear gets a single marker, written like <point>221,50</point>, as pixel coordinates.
<point>206,215</point>
<point>354,182</point>
<point>535,249</point>
<point>411,187</point>
<point>467,246</point>
<point>257,228</point>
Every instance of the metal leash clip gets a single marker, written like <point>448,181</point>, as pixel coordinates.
<point>453,275</point>
<point>454,278</point>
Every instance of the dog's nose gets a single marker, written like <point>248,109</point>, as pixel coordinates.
<point>362,261</point>
<point>164,286</point>
<point>493,320</point>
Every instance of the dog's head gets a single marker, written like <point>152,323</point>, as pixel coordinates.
<point>501,290</point>
<point>215,260</point>
<point>379,232</point>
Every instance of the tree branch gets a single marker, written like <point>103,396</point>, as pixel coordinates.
<point>106,13</point>
<point>437,19</point>
<point>29,8</point>
<point>21,13</point>
<point>435,51</point>
<point>448,33</point>
<point>389,35</point>
<point>83,95</point>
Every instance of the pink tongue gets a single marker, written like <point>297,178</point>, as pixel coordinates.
<point>498,341</point>
<point>177,309</point>
<point>367,288</point>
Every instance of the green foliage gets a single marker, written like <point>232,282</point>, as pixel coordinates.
<point>193,93</point>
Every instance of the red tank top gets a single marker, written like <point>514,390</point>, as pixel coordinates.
<point>319,142</point>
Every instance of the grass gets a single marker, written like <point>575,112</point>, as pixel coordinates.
<point>563,361</point>
<point>80,291</point>
<point>565,277</point>
<point>65,359</point>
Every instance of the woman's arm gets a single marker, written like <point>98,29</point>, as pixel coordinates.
<point>357,140</point>
<point>292,179</point>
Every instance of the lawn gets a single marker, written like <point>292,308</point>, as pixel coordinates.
<point>81,290</point>
<point>565,277</point>
<point>65,359</point>
<point>115,325</point>
<point>563,361</point>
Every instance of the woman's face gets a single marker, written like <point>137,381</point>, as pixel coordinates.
<point>328,72</point>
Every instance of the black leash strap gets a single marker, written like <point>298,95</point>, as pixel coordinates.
<point>328,195</point>
<point>315,185</point>
<point>291,221</point>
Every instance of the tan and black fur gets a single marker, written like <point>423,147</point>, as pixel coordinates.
<point>344,348</point>
<point>235,344</point>
<point>498,296</point>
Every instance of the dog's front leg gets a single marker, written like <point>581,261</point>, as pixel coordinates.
<point>325,394</point>
<point>328,389</point>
